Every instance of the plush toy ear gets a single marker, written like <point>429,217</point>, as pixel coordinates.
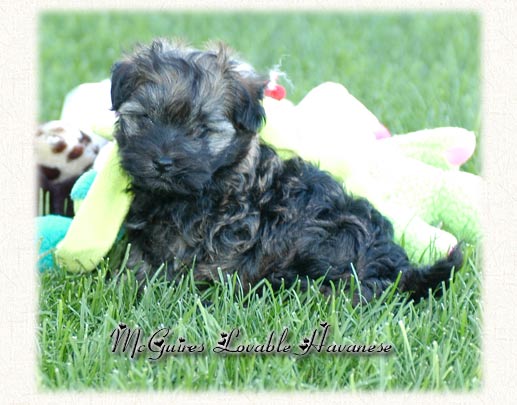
<point>123,83</point>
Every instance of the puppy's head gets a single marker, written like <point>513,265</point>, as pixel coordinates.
<point>184,115</point>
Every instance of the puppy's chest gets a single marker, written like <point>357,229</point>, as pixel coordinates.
<point>182,232</point>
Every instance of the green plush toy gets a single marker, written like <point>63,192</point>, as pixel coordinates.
<point>413,179</point>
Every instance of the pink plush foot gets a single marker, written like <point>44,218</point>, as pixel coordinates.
<point>458,155</point>
<point>382,132</point>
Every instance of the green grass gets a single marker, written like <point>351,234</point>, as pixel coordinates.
<point>413,71</point>
<point>436,343</point>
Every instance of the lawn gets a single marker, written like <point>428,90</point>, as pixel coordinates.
<point>413,71</point>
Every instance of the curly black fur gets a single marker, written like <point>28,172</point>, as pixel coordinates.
<point>207,192</point>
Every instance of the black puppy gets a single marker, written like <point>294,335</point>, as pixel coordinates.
<point>209,196</point>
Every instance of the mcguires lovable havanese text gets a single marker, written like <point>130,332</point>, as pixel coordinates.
<point>132,342</point>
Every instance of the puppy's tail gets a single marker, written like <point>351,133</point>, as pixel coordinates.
<point>418,281</point>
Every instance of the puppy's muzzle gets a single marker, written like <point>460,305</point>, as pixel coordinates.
<point>163,164</point>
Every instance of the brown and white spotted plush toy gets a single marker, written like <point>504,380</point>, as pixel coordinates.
<point>63,153</point>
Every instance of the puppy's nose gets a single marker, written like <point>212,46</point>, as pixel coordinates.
<point>163,163</point>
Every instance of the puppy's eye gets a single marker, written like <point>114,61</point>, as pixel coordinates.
<point>240,127</point>
<point>204,134</point>
<point>132,115</point>
<point>138,115</point>
<point>143,119</point>
<point>146,117</point>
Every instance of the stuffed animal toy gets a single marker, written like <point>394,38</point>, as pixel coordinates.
<point>88,106</point>
<point>413,179</point>
<point>67,147</point>
<point>63,153</point>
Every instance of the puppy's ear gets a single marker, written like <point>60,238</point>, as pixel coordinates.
<point>123,83</point>
<point>249,115</point>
